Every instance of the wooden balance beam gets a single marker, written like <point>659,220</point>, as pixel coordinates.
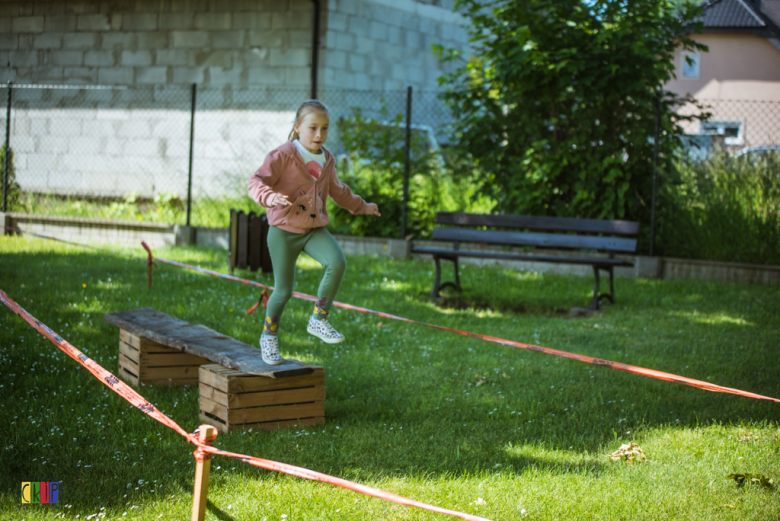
<point>237,389</point>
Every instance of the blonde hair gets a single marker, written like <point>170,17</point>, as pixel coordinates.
<point>306,107</point>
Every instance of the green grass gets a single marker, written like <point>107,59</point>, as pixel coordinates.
<point>403,410</point>
<point>210,212</point>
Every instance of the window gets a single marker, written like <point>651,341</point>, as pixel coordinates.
<point>730,130</point>
<point>689,64</point>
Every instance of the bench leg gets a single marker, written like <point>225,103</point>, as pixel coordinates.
<point>595,302</point>
<point>437,284</point>
<point>437,280</point>
<point>457,275</point>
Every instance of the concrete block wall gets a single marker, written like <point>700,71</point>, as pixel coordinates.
<point>106,142</point>
<point>386,44</point>
<point>237,43</point>
<point>135,137</point>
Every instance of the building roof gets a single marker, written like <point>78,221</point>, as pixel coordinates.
<point>732,14</point>
<point>739,16</point>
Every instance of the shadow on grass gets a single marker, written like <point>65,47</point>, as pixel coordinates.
<point>401,399</point>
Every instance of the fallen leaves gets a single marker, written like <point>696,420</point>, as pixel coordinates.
<point>628,452</point>
<point>479,380</point>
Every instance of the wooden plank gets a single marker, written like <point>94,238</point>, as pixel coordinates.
<point>151,347</point>
<point>177,359</point>
<point>130,339</point>
<point>209,375</point>
<point>234,382</point>
<point>213,408</point>
<point>282,397</point>
<point>132,365</point>
<point>543,240</point>
<point>593,261</point>
<point>127,376</point>
<point>171,383</point>
<point>144,344</point>
<point>268,426</point>
<point>215,395</point>
<point>243,240</point>
<point>275,413</point>
<point>535,222</point>
<point>202,341</point>
<point>222,426</point>
<point>129,351</point>
<point>168,373</point>
<point>247,384</point>
<point>273,426</point>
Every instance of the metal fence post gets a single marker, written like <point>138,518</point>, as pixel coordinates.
<point>655,169</point>
<point>192,139</point>
<point>7,155</point>
<point>407,159</point>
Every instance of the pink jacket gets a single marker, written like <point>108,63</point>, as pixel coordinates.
<point>283,172</point>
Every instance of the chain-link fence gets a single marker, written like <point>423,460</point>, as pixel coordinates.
<point>144,153</point>
<point>734,125</point>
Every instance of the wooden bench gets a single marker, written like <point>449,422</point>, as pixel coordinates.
<point>237,389</point>
<point>559,232</point>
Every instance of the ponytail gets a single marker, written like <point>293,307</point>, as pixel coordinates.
<point>306,107</point>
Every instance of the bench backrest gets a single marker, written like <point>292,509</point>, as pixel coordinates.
<point>544,240</point>
<point>534,222</point>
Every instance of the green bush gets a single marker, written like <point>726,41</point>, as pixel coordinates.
<point>14,191</point>
<point>374,169</point>
<point>722,208</point>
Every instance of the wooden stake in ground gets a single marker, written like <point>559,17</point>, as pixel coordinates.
<point>206,434</point>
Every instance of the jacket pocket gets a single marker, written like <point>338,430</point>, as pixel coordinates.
<point>302,213</point>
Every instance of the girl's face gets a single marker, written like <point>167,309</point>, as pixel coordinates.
<point>313,131</point>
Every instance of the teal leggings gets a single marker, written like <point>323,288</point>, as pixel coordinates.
<point>285,247</point>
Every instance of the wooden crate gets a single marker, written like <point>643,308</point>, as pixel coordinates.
<point>143,361</point>
<point>232,399</point>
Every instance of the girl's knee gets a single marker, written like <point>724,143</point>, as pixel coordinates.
<point>337,265</point>
<point>281,296</point>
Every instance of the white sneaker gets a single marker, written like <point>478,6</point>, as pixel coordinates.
<point>269,350</point>
<point>324,331</point>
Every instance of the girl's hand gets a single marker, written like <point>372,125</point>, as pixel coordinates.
<point>373,210</point>
<point>279,200</point>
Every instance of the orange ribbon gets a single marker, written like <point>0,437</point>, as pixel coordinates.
<point>651,373</point>
<point>204,449</point>
<point>262,300</point>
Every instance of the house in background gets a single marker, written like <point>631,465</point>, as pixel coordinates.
<point>739,78</point>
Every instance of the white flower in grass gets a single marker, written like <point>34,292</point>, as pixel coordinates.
<point>480,501</point>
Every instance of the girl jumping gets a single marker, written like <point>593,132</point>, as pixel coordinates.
<point>294,183</point>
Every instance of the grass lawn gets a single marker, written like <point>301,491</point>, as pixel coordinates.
<point>404,411</point>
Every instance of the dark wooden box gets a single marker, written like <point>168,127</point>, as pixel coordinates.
<point>231,400</point>
<point>143,361</point>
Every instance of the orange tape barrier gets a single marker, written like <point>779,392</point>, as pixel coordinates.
<point>127,392</point>
<point>651,373</point>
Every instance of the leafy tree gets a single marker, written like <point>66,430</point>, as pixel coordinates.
<point>375,170</point>
<point>557,103</point>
